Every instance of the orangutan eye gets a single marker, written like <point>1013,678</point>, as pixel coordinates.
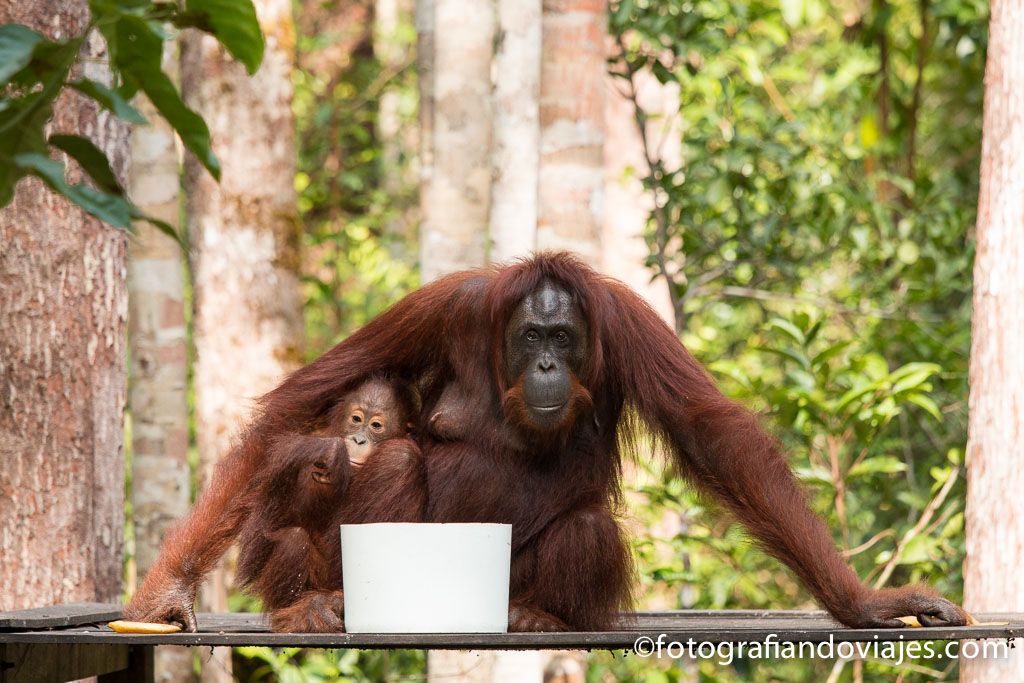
<point>532,336</point>
<point>562,338</point>
<point>377,426</point>
<point>357,419</point>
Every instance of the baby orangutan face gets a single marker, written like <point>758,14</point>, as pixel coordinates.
<point>372,413</point>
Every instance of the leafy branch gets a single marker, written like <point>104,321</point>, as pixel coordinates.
<point>34,70</point>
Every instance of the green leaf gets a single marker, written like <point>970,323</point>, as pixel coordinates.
<point>110,100</point>
<point>235,25</point>
<point>854,394</point>
<point>91,159</point>
<point>830,352</point>
<point>189,125</point>
<point>912,376</point>
<point>792,11</point>
<point>25,136</point>
<point>52,74</point>
<point>17,43</point>
<point>919,549</point>
<point>787,353</point>
<point>10,174</point>
<point>791,330</point>
<point>661,72</point>
<point>927,404</point>
<point>137,56</point>
<point>869,134</point>
<point>813,474</point>
<point>913,369</point>
<point>109,208</point>
<point>882,464</point>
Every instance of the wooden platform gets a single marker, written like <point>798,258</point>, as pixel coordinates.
<point>703,626</point>
<point>47,634</point>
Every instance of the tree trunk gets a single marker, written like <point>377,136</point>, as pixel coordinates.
<point>455,116</point>
<point>156,337</point>
<point>398,139</point>
<point>458,184</point>
<point>516,130</point>
<point>62,377</point>
<point>424,19</point>
<point>994,567</point>
<point>572,126</point>
<point>245,240</point>
<point>571,167</point>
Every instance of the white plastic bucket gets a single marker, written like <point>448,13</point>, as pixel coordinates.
<point>426,578</point>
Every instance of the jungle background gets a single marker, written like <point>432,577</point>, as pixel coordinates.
<point>793,185</point>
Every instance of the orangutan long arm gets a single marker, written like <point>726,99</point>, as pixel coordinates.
<point>723,450</point>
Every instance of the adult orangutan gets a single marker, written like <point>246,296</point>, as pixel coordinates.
<point>561,366</point>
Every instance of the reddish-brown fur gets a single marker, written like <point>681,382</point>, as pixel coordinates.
<point>310,484</point>
<point>570,563</point>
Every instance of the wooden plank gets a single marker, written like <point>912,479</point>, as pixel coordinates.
<point>60,616</point>
<point>714,627</point>
<point>23,662</point>
<point>609,640</point>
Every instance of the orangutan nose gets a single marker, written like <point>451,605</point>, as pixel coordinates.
<point>359,439</point>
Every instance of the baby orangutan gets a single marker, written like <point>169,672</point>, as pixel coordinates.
<point>360,467</point>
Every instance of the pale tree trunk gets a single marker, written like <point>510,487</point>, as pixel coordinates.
<point>458,180</point>
<point>571,167</point>
<point>397,139</point>
<point>994,567</point>
<point>388,51</point>
<point>244,235</point>
<point>424,19</point>
<point>572,126</point>
<point>63,308</point>
<point>516,130</point>
<point>513,220</point>
<point>156,338</point>
<point>454,62</point>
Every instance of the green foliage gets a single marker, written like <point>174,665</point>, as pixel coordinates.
<point>296,664</point>
<point>357,189</point>
<point>814,231</point>
<point>35,70</point>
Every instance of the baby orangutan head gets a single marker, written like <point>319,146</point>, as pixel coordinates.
<point>374,411</point>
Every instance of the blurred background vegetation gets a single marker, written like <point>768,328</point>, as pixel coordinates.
<point>816,238</point>
<point>814,231</point>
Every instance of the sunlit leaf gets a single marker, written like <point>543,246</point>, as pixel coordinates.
<point>880,464</point>
<point>791,330</point>
<point>927,404</point>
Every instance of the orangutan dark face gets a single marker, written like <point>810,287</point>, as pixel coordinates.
<point>545,350</point>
